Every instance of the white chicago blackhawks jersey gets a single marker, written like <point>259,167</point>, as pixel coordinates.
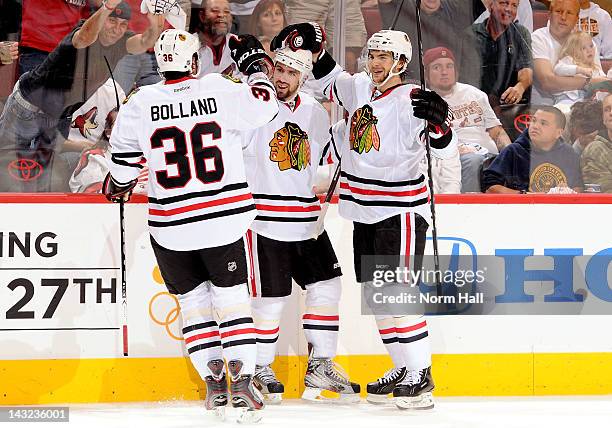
<point>381,150</point>
<point>188,131</point>
<point>281,160</point>
<point>217,59</point>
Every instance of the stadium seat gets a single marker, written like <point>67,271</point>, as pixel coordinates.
<point>372,19</point>
<point>540,19</point>
<point>514,118</point>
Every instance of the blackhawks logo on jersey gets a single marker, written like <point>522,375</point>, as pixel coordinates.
<point>290,148</point>
<point>364,135</point>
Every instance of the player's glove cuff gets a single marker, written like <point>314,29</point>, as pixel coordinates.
<point>324,65</point>
<point>115,191</point>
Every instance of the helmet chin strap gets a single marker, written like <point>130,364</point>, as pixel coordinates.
<point>389,75</point>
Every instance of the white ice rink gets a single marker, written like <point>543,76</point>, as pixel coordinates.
<point>540,412</point>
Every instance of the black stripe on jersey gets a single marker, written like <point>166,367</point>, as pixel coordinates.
<point>239,342</point>
<point>336,95</point>
<point>382,183</point>
<point>308,200</point>
<point>202,217</point>
<point>324,154</point>
<point>286,219</point>
<point>124,163</point>
<point>237,321</point>
<point>203,346</point>
<point>267,340</point>
<point>413,338</point>
<point>187,196</point>
<point>127,155</point>
<point>415,203</point>
<point>320,327</point>
<point>199,326</point>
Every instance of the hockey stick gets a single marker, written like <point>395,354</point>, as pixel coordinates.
<point>432,205</point>
<point>122,234</point>
<point>336,177</point>
<point>325,206</point>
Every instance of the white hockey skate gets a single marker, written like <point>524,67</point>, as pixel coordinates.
<point>265,380</point>
<point>322,375</point>
<point>414,392</point>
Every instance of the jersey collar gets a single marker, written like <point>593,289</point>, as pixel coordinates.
<point>376,94</point>
<point>294,103</point>
<point>182,79</point>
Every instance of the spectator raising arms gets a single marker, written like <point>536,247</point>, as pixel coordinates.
<point>577,59</point>
<point>45,98</point>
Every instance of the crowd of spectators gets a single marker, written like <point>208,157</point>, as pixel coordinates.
<point>498,63</point>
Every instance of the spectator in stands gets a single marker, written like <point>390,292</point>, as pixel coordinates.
<point>524,15</point>
<point>596,159</point>
<point>496,56</point>
<point>546,44</point>
<point>597,22</point>
<point>577,58</point>
<point>538,161</point>
<point>9,27</point>
<point>322,12</point>
<point>242,10</point>
<point>479,131</point>
<point>268,18</point>
<point>44,24</point>
<point>585,123</point>
<point>442,23</point>
<point>45,98</point>
<point>214,24</point>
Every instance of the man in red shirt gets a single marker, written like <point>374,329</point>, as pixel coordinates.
<point>44,24</point>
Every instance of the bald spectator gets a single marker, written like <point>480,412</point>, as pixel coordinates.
<point>479,132</point>
<point>597,22</point>
<point>547,43</point>
<point>597,157</point>
<point>539,161</point>
<point>214,22</point>
<point>496,56</point>
<point>524,15</point>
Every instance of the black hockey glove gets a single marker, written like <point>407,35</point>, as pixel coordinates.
<point>249,55</point>
<point>428,105</point>
<point>309,36</point>
<point>115,192</point>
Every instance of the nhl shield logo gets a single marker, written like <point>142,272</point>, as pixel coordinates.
<point>231,266</point>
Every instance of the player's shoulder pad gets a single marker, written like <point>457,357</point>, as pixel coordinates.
<point>132,92</point>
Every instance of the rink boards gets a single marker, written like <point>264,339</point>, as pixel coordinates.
<point>61,307</point>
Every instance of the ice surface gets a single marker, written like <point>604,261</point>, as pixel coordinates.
<point>485,412</point>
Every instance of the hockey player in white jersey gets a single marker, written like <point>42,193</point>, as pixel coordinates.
<point>381,188</point>
<point>282,159</point>
<point>200,205</point>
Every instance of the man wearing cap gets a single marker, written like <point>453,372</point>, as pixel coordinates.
<point>45,98</point>
<point>478,129</point>
<point>496,55</point>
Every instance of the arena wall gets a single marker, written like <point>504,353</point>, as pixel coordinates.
<point>61,307</point>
